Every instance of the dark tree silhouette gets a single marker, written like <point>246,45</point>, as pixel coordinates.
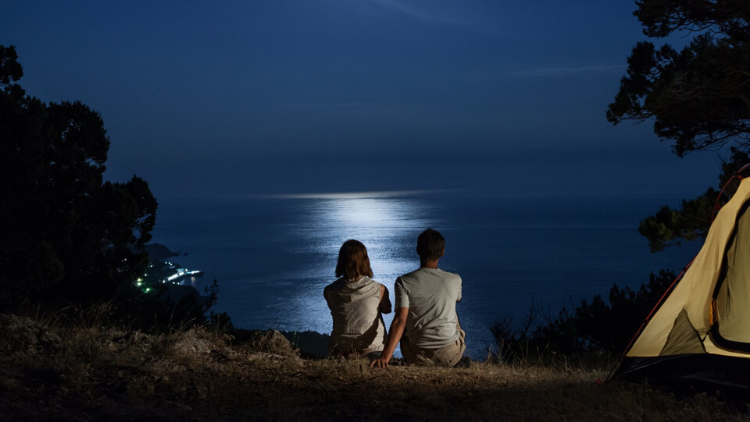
<point>698,98</point>
<point>67,237</point>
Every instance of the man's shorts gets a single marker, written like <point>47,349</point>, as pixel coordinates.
<point>448,355</point>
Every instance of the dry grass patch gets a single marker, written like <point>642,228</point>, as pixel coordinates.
<point>191,375</point>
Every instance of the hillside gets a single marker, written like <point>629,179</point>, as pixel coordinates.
<point>52,373</point>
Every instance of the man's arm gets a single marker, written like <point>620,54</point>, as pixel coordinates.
<point>397,329</point>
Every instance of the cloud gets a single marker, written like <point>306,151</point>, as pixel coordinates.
<point>418,13</point>
<point>329,105</point>
<point>565,71</point>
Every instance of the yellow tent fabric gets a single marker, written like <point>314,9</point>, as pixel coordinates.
<point>686,316</point>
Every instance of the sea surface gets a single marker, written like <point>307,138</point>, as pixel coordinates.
<point>273,255</point>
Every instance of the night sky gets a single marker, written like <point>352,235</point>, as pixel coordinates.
<point>233,98</point>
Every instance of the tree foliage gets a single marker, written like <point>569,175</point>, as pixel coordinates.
<point>68,237</point>
<point>698,98</point>
<point>692,220</point>
<point>611,325</point>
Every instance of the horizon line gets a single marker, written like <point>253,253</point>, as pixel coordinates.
<point>353,195</point>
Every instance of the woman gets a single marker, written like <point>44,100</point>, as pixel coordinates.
<point>356,302</point>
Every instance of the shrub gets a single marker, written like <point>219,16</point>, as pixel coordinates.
<point>598,326</point>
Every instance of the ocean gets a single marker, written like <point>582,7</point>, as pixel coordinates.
<point>273,255</point>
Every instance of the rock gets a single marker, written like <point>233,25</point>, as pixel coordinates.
<point>24,336</point>
<point>224,354</point>
<point>274,342</point>
<point>191,346</point>
<point>190,343</point>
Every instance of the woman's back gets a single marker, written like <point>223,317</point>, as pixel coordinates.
<point>356,310</point>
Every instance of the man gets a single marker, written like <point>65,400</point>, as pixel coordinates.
<point>426,319</point>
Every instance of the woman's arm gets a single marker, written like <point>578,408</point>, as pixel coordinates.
<point>385,301</point>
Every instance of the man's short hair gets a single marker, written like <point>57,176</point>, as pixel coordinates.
<point>430,245</point>
<point>353,261</point>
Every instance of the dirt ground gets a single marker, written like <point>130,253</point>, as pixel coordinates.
<point>95,374</point>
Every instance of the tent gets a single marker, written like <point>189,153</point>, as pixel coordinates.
<point>700,335</point>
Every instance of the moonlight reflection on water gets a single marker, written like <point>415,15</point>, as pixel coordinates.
<point>386,224</point>
<point>272,256</point>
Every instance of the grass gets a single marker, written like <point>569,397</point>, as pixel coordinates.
<point>87,373</point>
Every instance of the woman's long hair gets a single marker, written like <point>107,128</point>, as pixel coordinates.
<point>353,261</point>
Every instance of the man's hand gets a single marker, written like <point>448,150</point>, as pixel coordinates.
<point>397,329</point>
<point>379,363</point>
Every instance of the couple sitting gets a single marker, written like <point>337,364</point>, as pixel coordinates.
<point>426,322</point>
